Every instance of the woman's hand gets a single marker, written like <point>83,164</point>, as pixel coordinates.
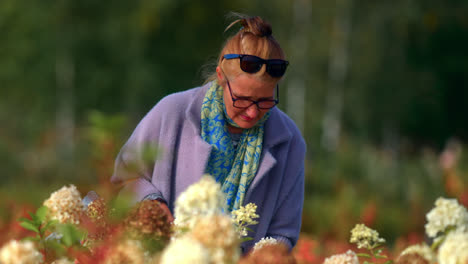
<point>163,205</point>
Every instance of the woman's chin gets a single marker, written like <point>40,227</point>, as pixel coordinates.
<point>245,124</point>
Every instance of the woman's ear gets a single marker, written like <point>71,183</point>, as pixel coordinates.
<point>219,74</point>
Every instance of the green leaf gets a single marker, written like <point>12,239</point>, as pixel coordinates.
<point>363,255</point>
<point>55,246</point>
<point>72,236</point>
<point>388,262</point>
<point>33,239</point>
<point>50,224</point>
<point>24,219</point>
<point>249,229</point>
<point>41,213</point>
<point>246,239</point>
<point>378,251</point>
<point>29,226</point>
<point>380,256</point>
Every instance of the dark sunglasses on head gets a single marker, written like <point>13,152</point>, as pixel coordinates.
<point>252,64</point>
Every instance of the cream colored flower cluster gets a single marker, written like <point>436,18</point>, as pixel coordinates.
<point>346,258</point>
<point>214,239</point>
<point>454,249</point>
<point>63,261</point>
<point>218,234</point>
<point>209,232</point>
<point>185,250</point>
<point>422,250</point>
<point>65,205</point>
<point>243,217</point>
<point>365,237</point>
<point>130,251</point>
<point>265,241</point>
<point>447,213</point>
<point>15,252</point>
<point>200,199</point>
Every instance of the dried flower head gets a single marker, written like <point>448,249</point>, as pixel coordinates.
<point>97,210</point>
<point>24,252</point>
<point>243,217</point>
<point>454,249</point>
<point>423,250</point>
<point>65,205</point>
<point>96,222</point>
<point>200,199</point>
<point>185,250</point>
<point>217,233</point>
<point>346,258</point>
<point>128,251</point>
<point>269,254</point>
<point>365,237</point>
<point>448,213</point>
<point>148,220</point>
<point>265,241</point>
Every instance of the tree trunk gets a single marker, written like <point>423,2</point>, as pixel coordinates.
<point>65,115</point>
<point>295,103</point>
<point>338,69</point>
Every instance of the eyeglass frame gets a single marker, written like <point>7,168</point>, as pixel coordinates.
<point>253,101</point>
<point>267,62</point>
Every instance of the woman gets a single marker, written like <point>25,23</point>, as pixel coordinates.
<point>230,129</point>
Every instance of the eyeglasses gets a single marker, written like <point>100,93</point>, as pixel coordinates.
<point>246,103</point>
<point>252,64</point>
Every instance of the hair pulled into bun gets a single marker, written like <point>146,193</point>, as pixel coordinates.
<point>253,38</point>
<point>253,24</point>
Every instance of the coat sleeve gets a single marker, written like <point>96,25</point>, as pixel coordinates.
<point>134,169</point>
<point>286,223</point>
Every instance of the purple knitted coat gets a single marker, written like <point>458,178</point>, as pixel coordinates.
<point>173,125</point>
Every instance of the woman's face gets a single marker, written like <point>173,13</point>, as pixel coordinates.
<point>246,86</point>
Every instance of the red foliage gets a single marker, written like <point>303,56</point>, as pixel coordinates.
<point>307,251</point>
<point>11,228</point>
<point>369,213</point>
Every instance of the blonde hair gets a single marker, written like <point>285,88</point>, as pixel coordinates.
<point>253,38</point>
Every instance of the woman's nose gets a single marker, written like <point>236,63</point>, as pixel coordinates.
<point>252,111</point>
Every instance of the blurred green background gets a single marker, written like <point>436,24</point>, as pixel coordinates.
<point>378,88</point>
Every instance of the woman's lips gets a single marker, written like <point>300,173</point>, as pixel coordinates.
<point>246,118</point>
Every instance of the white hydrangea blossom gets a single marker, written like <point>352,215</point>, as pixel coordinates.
<point>218,235</point>
<point>422,250</point>
<point>447,213</point>
<point>128,251</point>
<point>202,198</point>
<point>63,261</point>
<point>243,217</point>
<point>454,249</point>
<point>265,241</point>
<point>65,205</point>
<point>185,250</point>
<point>24,252</point>
<point>346,258</point>
<point>365,237</point>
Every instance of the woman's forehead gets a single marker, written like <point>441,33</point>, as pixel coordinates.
<point>251,86</point>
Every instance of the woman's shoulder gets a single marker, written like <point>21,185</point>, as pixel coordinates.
<point>179,100</point>
<point>171,109</point>
<point>177,103</point>
<point>283,124</point>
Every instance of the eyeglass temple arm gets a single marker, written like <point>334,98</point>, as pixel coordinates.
<point>232,56</point>
<point>277,93</point>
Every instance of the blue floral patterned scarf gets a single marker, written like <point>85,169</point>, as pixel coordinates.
<point>234,168</point>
